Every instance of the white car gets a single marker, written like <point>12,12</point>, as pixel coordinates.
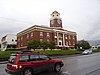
<point>88,51</point>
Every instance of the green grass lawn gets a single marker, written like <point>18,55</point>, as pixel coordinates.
<point>53,52</point>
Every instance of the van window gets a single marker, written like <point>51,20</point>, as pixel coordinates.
<point>12,59</point>
<point>24,58</point>
<point>43,57</point>
<point>34,57</point>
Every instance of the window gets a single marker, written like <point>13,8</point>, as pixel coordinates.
<point>34,57</point>
<point>55,36</point>
<point>31,34</point>
<point>59,43</point>
<point>41,39</point>
<point>66,37</point>
<point>60,35</point>
<point>48,34</point>
<point>48,40</point>
<point>21,38</point>
<point>69,37</point>
<point>43,57</point>
<point>21,43</point>
<point>27,35</point>
<point>69,43</point>
<point>24,58</point>
<point>66,43</point>
<point>41,33</point>
<point>73,37</point>
<point>73,43</point>
<point>12,40</point>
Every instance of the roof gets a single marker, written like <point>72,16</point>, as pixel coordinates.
<point>51,29</point>
<point>55,12</point>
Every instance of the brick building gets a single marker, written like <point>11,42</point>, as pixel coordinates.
<point>55,32</point>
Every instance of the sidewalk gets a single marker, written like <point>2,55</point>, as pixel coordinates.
<point>3,62</point>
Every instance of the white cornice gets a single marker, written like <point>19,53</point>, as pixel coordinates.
<point>45,29</point>
<point>34,28</point>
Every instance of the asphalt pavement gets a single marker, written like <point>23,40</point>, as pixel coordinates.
<point>83,65</point>
<point>74,65</point>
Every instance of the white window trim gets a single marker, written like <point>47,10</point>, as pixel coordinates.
<point>27,36</point>
<point>31,34</point>
<point>41,33</point>
<point>48,34</point>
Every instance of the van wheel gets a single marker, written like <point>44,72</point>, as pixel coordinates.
<point>57,67</point>
<point>27,72</point>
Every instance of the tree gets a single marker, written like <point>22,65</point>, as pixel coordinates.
<point>44,44</point>
<point>34,44</point>
<point>52,45</point>
<point>83,44</point>
<point>29,45</point>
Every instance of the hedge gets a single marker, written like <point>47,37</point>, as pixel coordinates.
<point>6,54</point>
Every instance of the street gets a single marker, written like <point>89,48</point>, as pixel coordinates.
<point>77,65</point>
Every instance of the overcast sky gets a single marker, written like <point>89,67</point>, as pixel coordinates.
<point>81,16</point>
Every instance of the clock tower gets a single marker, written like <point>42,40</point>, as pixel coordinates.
<point>55,20</point>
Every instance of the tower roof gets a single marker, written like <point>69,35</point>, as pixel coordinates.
<point>55,12</point>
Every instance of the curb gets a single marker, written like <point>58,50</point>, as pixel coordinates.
<point>62,56</point>
<point>3,62</point>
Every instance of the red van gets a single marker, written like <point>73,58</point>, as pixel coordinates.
<point>27,63</point>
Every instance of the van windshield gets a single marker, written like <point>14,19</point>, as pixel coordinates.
<point>12,59</point>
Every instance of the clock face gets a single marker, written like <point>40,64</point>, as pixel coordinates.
<point>59,21</point>
<point>52,22</point>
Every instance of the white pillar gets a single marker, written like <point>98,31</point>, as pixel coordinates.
<point>57,39</point>
<point>63,40</point>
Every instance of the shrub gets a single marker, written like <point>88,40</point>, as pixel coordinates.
<point>67,52</point>
<point>96,50</point>
<point>6,54</point>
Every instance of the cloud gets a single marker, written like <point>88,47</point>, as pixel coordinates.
<point>94,32</point>
<point>81,16</point>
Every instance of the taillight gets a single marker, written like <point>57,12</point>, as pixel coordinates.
<point>15,66</point>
